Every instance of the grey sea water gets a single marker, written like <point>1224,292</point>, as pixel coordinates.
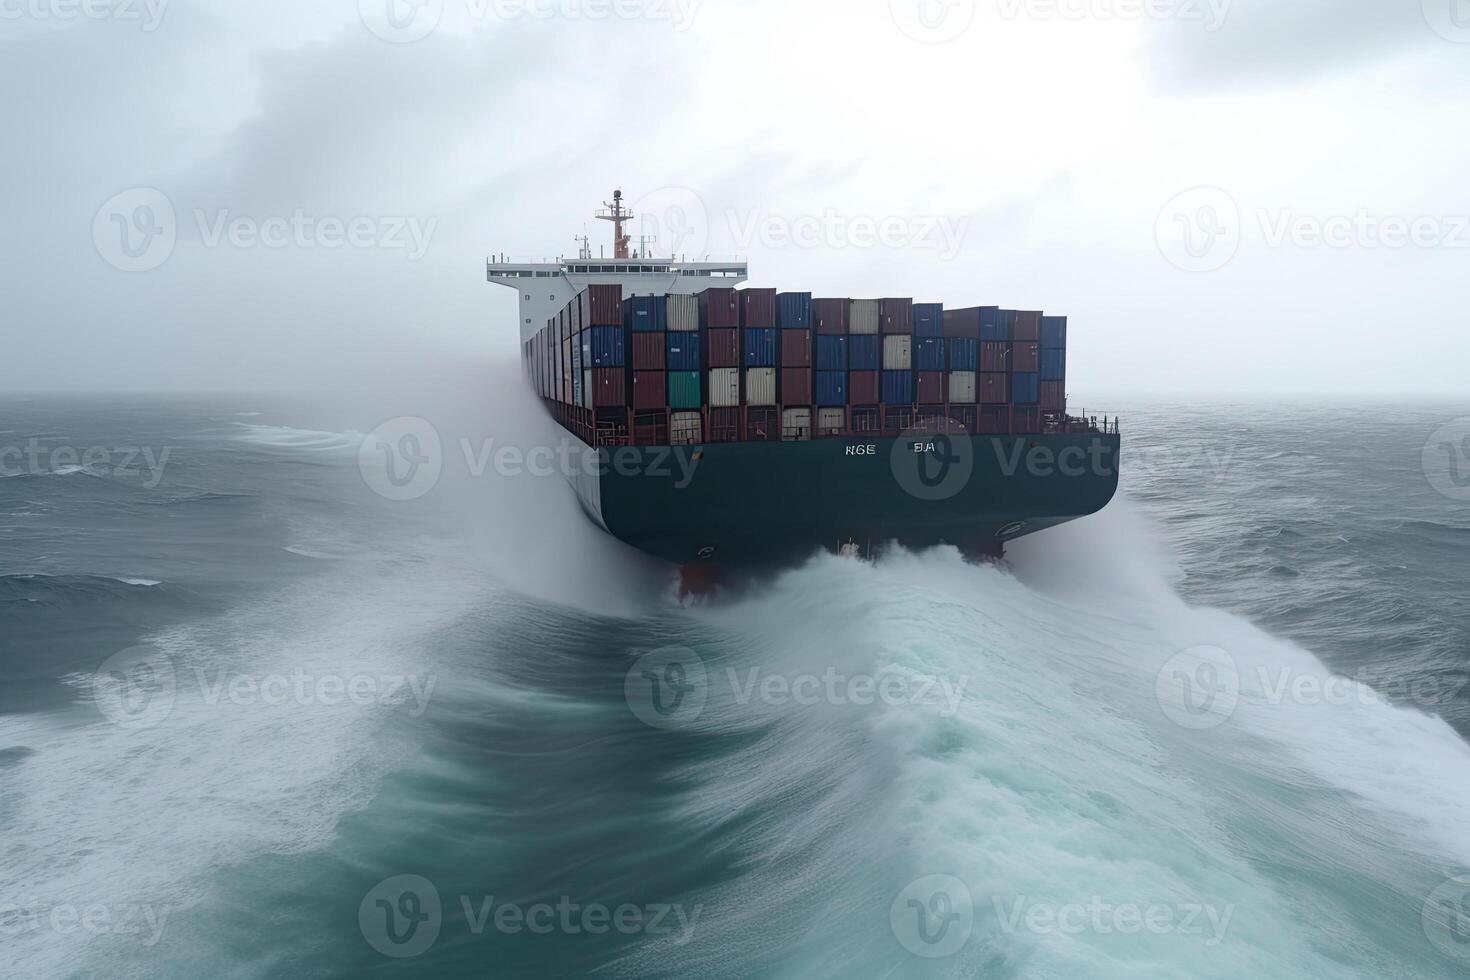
<point>257,720</point>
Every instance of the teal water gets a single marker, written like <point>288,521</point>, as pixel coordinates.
<point>1123,754</point>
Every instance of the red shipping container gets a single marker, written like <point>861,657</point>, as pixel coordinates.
<point>995,356</point>
<point>796,348</point>
<point>1025,420</point>
<point>609,388</point>
<point>796,386</point>
<point>724,348</point>
<point>605,305</point>
<point>724,424</point>
<point>896,316</point>
<point>1028,327</point>
<point>962,323</point>
<point>995,389</point>
<point>995,419</point>
<point>719,308</point>
<point>763,424</point>
<point>1026,357</point>
<point>648,351</point>
<point>863,387</point>
<point>1054,396</point>
<point>829,316</point>
<point>650,389</point>
<point>758,308</point>
<point>930,386</point>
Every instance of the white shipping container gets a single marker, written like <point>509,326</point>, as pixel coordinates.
<point>724,387</point>
<point>831,420</point>
<point>898,352</point>
<point>796,424</point>
<point>760,386</point>
<point>962,386</point>
<point>683,312</point>
<point>686,428</point>
<point>863,317</point>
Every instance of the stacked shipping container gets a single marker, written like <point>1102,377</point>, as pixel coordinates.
<point>754,364</point>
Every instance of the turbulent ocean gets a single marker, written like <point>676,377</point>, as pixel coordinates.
<point>260,719</point>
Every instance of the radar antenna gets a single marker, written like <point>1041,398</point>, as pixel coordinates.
<point>617,214</point>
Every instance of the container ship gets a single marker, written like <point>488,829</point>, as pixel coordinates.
<point>747,428</point>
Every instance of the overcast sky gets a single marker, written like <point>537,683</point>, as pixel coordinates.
<point>1264,196</point>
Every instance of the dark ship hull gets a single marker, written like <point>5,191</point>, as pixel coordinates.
<point>766,504</point>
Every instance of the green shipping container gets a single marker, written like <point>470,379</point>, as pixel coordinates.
<point>684,389</point>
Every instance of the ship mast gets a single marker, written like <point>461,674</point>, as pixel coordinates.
<point>617,214</point>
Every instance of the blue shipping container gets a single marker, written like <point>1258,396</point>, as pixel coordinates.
<point>831,353</point>
<point>1025,388</point>
<point>760,347</point>
<point>864,351</point>
<point>1054,332</point>
<point>898,387</point>
<point>994,326</point>
<point>831,387</point>
<point>1053,365</point>
<point>963,353</point>
<point>604,347</point>
<point>646,313</point>
<point>681,348</point>
<point>794,311</point>
<point>929,354</point>
<point>928,319</point>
